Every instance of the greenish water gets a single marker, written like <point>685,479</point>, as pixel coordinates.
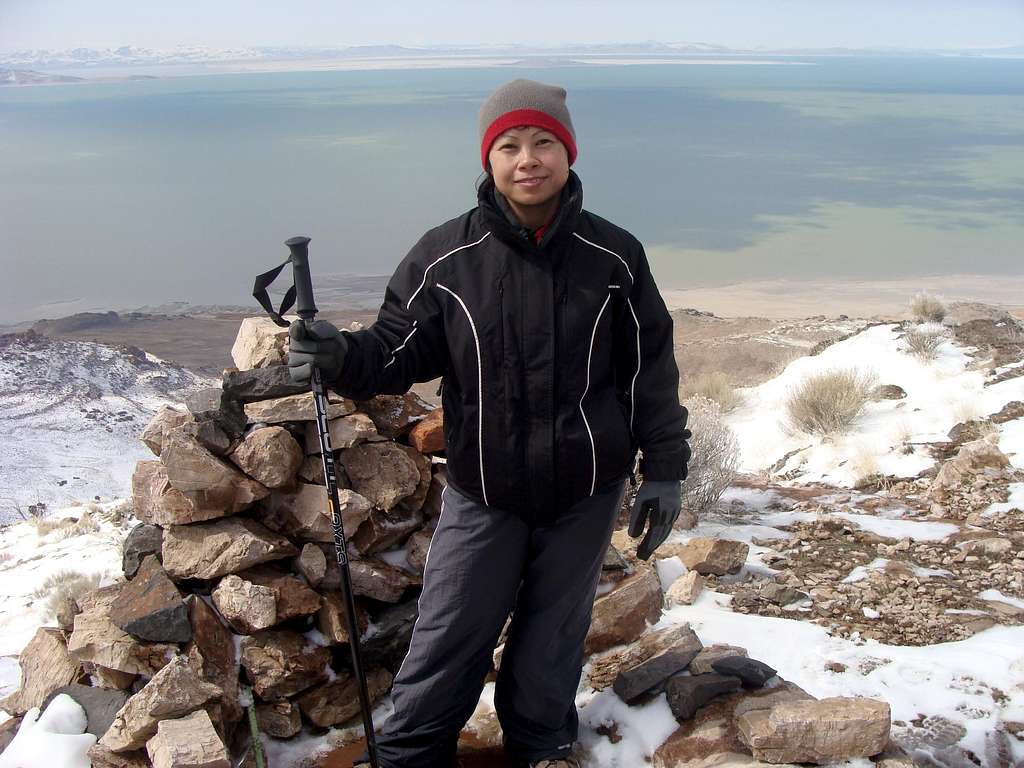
<point>181,189</point>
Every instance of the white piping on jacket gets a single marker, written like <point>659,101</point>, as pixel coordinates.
<point>613,253</point>
<point>401,346</point>
<point>593,450</point>
<point>426,561</point>
<point>632,384</point>
<point>437,261</point>
<point>479,384</point>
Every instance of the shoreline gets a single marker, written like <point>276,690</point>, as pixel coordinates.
<point>792,298</point>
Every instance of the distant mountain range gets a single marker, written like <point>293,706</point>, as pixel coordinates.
<point>136,56</point>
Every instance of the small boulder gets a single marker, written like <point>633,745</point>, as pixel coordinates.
<point>150,607</point>
<point>378,580</point>
<point>621,616</point>
<point>220,547</point>
<point>212,650</point>
<point>381,472</point>
<point>970,460</point>
<point>261,384</point>
<point>717,556</point>
<point>702,663</point>
<point>427,436</point>
<point>281,410</point>
<point>165,420</point>
<point>688,693</point>
<point>209,481</point>
<point>215,404</point>
<point>260,343</point>
<point>279,719</point>
<point>144,539</point>
<point>46,666</point>
<point>157,502</point>
<point>345,432</point>
<point>337,701</point>
<point>312,564</point>
<point>271,456</point>
<point>332,618</point>
<point>752,672</point>
<point>280,663</point>
<point>246,607</point>
<point>416,548</point>
<point>685,590</point>
<point>385,529</point>
<point>187,742</point>
<point>825,731</point>
<point>306,513</point>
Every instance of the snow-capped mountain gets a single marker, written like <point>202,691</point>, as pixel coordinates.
<point>70,417</point>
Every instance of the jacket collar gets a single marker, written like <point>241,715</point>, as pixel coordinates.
<point>502,222</point>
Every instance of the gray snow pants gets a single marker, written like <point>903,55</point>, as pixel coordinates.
<point>481,565</point>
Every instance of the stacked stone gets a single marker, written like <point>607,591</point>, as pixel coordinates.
<point>233,581</point>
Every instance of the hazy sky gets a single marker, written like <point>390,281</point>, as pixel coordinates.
<point>742,23</point>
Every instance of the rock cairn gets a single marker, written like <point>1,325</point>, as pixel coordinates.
<point>231,595</point>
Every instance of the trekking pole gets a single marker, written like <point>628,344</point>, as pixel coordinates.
<point>302,293</point>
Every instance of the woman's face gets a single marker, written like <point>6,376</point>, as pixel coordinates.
<point>529,165</point>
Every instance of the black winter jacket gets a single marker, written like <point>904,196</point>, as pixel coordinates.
<point>556,358</point>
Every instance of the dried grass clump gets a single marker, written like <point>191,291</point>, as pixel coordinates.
<point>714,385</point>
<point>924,340</point>
<point>66,585</point>
<point>85,524</point>
<point>927,308</point>
<point>45,525</point>
<point>828,403</point>
<point>715,457</point>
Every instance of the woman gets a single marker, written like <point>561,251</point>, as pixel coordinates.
<point>555,349</point>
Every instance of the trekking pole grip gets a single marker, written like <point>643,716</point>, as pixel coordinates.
<point>305,307</point>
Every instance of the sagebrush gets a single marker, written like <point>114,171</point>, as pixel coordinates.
<point>924,340</point>
<point>714,461</point>
<point>829,402</point>
<point>66,585</point>
<point>714,385</point>
<point>927,308</point>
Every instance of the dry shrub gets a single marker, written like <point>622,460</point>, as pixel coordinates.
<point>63,586</point>
<point>927,308</point>
<point>828,403</point>
<point>715,458</point>
<point>45,525</point>
<point>85,524</point>
<point>924,340</point>
<point>714,385</point>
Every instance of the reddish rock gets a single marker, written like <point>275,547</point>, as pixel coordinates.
<point>427,436</point>
<point>271,456</point>
<point>623,614</point>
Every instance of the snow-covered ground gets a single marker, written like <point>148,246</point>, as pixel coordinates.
<point>70,417</point>
<point>887,438</point>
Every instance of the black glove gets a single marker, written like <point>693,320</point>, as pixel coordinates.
<point>658,501</point>
<point>321,344</point>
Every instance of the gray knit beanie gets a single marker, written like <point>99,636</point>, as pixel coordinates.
<point>526,102</point>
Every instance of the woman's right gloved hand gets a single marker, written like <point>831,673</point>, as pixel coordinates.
<point>320,344</point>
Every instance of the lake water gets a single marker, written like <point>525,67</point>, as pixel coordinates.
<point>181,189</point>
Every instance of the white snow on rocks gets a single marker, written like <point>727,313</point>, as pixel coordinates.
<point>940,394</point>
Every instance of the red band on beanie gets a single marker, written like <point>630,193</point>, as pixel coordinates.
<point>518,117</point>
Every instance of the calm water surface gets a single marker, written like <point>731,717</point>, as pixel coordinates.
<point>181,189</point>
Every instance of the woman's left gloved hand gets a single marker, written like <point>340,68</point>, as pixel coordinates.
<point>657,502</point>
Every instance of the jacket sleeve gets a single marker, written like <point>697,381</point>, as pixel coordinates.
<point>648,377</point>
<point>405,345</point>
